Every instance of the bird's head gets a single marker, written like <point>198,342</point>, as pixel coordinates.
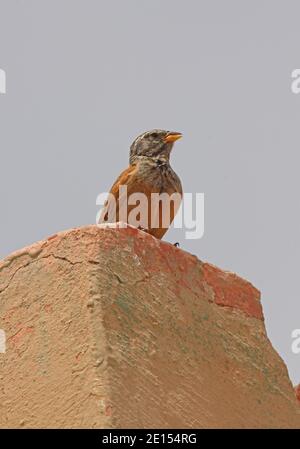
<point>155,144</point>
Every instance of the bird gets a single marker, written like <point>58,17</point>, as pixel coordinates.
<point>140,195</point>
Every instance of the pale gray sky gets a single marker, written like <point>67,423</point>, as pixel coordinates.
<point>85,77</point>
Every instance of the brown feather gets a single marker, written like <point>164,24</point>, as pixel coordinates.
<point>149,172</point>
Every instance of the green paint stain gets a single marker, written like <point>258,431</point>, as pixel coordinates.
<point>123,304</point>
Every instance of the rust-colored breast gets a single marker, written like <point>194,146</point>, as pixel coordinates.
<point>152,213</point>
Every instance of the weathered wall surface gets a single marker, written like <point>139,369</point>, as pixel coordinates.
<point>113,328</point>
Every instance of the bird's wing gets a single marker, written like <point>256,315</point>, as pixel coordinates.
<point>118,197</point>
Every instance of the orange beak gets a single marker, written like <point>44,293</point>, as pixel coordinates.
<point>172,137</point>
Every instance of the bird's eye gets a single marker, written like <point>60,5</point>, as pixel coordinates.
<point>154,135</point>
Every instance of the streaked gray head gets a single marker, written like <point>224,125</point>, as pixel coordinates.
<point>156,144</point>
